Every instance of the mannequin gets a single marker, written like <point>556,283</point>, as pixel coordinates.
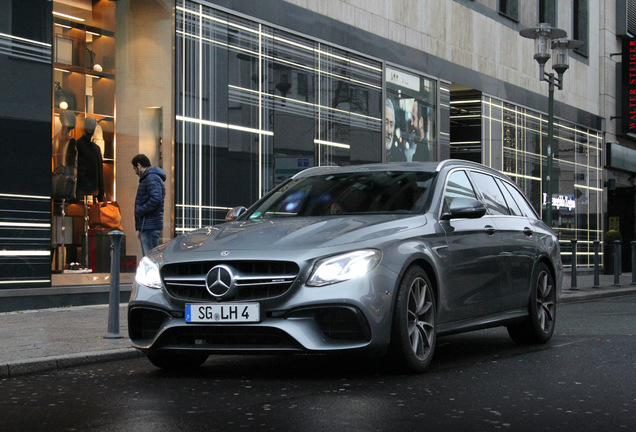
<point>65,158</point>
<point>98,138</point>
<point>90,171</point>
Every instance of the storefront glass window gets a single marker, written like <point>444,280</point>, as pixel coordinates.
<point>576,174</point>
<point>256,104</point>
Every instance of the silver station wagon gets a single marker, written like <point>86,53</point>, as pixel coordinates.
<point>374,259</point>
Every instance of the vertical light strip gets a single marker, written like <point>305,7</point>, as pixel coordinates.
<point>518,119</point>
<point>541,185</point>
<point>183,124</point>
<point>260,110</point>
<point>319,74</point>
<point>200,140</point>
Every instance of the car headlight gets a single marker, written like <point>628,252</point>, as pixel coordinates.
<point>148,273</point>
<point>344,267</point>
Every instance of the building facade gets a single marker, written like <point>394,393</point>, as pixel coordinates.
<point>233,97</point>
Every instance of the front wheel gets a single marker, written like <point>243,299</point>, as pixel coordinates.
<point>539,326</point>
<point>414,333</point>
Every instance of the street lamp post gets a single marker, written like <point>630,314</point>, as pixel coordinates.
<point>548,38</point>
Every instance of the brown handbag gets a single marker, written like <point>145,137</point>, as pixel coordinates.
<point>105,216</point>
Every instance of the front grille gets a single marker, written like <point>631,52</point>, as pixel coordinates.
<point>253,280</point>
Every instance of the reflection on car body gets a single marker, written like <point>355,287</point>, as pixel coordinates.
<point>376,259</point>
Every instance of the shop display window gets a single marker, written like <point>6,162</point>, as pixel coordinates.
<point>83,130</point>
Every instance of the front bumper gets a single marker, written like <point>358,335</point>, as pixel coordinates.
<point>307,319</point>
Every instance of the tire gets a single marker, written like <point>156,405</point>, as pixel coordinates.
<point>177,361</point>
<point>413,334</point>
<point>539,326</point>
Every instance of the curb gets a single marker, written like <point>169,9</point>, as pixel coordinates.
<point>569,295</point>
<point>46,364</point>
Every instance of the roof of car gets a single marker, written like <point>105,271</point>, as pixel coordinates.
<point>394,166</point>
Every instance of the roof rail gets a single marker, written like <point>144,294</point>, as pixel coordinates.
<point>445,162</point>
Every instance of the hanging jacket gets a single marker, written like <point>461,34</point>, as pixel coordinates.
<point>90,174</point>
<point>149,201</point>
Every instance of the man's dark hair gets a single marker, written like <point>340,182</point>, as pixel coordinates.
<point>141,159</point>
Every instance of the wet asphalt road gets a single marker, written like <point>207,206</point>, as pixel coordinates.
<point>583,380</point>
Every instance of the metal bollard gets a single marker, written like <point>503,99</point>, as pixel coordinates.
<point>113,307</point>
<point>597,283</point>
<point>633,243</point>
<point>573,274</point>
<point>617,262</point>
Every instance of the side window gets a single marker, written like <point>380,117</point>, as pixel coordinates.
<point>457,186</point>
<point>509,8</point>
<point>521,201</point>
<point>495,202</point>
<point>580,25</point>
<point>512,204</point>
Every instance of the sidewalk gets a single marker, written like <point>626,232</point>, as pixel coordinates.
<point>49,339</point>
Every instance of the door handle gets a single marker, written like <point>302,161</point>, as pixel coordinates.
<point>490,230</point>
<point>527,231</point>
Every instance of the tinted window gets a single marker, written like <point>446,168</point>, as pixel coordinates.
<point>526,208</point>
<point>512,204</point>
<point>349,193</point>
<point>457,186</point>
<point>509,8</point>
<point>495,202</point>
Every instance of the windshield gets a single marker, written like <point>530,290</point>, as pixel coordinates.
<point>349,193</point>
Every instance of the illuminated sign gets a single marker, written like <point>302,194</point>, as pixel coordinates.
<point>561,202</point>
<point>628,98</point>
<point>403,79</point>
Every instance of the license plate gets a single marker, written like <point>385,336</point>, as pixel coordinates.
<point>223,313</point>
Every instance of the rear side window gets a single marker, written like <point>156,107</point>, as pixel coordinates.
<point>495,201</point>
<point>512,204</point>
<point>521,201</point>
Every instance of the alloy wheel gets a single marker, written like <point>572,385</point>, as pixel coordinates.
<point>545,301</point>
<point>421,318</point>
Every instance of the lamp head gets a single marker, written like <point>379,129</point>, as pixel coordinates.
<point>561,48</point>
<point>542,34</point>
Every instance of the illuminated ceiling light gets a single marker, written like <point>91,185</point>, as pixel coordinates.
<point>71,17</point>
<point>224,125</point>
<point>24,39</point>
<point>332,144</point>
<point>63,25</point>
<point>459,102</point>
<point>25,224</point>
<point>15,253</point>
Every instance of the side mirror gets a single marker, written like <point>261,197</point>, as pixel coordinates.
<point>234,213</point>
<point>467,208</point>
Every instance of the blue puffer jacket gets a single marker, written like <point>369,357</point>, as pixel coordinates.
<point>149,200</point>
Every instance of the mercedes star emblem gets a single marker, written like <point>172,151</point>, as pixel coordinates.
<point>219,280</point>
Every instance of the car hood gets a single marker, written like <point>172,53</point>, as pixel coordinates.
<point>294,233</point>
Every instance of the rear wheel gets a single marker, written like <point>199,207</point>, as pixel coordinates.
<point>539,326</point>
<point>414,334</point>
<point>177,360</point>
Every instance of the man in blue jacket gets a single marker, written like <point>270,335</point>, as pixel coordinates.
<point>149,202</point>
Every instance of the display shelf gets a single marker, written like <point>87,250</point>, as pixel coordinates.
<point>80,70</point>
